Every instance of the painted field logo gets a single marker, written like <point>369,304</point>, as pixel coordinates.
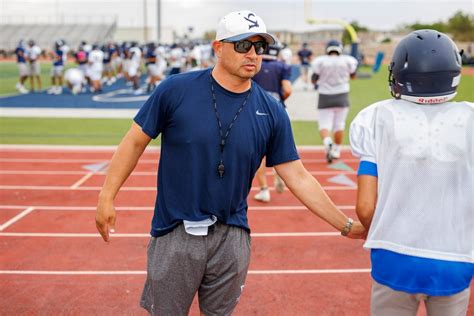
<point>119,96</point>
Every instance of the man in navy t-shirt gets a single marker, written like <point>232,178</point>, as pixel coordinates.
<point>216,125</point>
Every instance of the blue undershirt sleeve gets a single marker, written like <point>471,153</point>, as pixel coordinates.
<point>367,168</point>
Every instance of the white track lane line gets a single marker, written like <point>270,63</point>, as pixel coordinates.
<point>17,218</point>
<point>43,172</point>
<point>88,188</point>
<point>135,272</point>
<point>147,235</point>
<point>111,148</point>
<point>149,208</point>
<point>312,271</point>
<point>146,173</point>
<point>81,180</point>
<point>142,161</point>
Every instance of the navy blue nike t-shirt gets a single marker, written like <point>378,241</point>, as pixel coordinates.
<point>181,109</point>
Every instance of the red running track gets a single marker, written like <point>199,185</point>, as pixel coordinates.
<point>53,262</point>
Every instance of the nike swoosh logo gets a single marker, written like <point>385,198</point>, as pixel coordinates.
<point>260,113</point>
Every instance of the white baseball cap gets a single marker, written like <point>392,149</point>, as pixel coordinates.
<point>240,25</point>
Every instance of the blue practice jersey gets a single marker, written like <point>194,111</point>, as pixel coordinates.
<point>271,75</point>
<point>58,58</point>
<point>305,56</point>
<point>20,55</point>
<point>189,187</point>
<point>108,53</point>
<point>150,57</point>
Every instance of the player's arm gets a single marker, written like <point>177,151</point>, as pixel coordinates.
<point>363,145</point>
<point>122,164</point>
<point>286,89</point>
<point>366,198</point>
<point>353,63</point>
<point>308,190</point>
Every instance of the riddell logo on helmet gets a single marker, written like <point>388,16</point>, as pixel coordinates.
<point>432,100</point>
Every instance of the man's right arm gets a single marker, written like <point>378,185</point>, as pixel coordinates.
<point>121,166</point>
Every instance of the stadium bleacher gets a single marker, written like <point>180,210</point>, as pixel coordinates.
<point>45,34</point>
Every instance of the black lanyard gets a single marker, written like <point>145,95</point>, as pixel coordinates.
<point>220,166</point>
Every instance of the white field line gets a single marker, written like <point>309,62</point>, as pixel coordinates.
<point>144,173</point>
<point>73,160</point>
<point>149,208</point>
<point>142,272</point>
<point>62,148</point>
<point>58,187</point>
<point>16,218</point>
<point>44,172</point>
<point>147,235</point>
<point>312,271</point>
<point>78,208</point>
<point>81,180</point>
<point>142,161</point>
<point>86,148</point>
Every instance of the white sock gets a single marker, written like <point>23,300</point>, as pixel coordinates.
<point>327,141</point>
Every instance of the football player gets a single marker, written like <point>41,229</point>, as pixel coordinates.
<point>332,72</point>
<point>415,182</point>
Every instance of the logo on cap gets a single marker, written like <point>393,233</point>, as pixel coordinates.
<point>254,23</point>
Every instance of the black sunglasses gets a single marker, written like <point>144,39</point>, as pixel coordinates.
<point>244,46</point>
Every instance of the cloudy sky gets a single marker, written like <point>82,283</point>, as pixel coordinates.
<point>203,15</point>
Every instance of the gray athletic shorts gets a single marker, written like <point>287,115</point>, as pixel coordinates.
<point>179,265</point>
<point>340,100</point>
<point>388,302</point>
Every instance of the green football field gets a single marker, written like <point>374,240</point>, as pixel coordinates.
<point>110,131</point>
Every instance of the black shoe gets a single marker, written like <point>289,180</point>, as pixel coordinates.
<point>329,156</point>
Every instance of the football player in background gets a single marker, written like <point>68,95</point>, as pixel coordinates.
<point>57,70</point>
<point>20,53</point>
<point>333,72</point>
<point>33,54</point>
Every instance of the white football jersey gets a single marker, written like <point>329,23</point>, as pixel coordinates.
<point>334,72</point>
<point>95,59</point>
<point>136,55</point>
<point>176,57</point>
<point>33,52</point>
<point>424,156</point>
<point>286,55</point>
<point>74,76</point>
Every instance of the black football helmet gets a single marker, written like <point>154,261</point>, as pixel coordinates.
<point>272,51</point>
<point>425,68</point>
